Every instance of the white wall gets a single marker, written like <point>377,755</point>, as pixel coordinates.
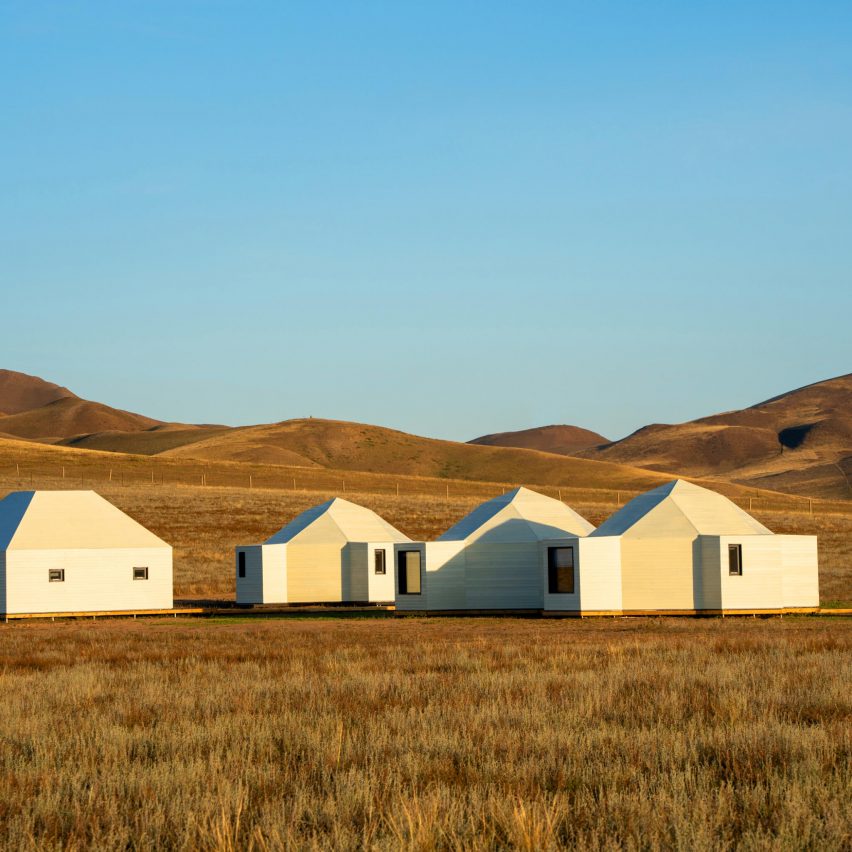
<point>800,563</point>
<point>380,587</point>
<point>250,587</point>
<point>760,586</point>
<point>442,576</point>
<point>356,556</point>
<point>96,580</point>
<point>597,575</point>
<point>503,575</point>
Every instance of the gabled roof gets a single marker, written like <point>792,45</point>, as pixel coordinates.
<point>678,507</point>
<point>54,520</point>
<point>519,515</point>
<point>337,520</point>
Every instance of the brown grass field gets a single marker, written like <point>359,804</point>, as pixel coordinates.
<point>427,734</point>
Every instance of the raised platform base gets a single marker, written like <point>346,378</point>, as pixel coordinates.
<point>117,613</point>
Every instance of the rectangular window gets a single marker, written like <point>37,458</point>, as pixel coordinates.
<point>56,575</point>
<point>140,573</point>
<point>409,572</point>
<point>560,570</point>
<point>241,564</point>
<point>735,560</point>
<point>379,562</point>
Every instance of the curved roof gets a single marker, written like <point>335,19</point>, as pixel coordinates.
<point>55,520</point>
<point>337,520</point>
<point>519,515</point>
<point>680,507</point>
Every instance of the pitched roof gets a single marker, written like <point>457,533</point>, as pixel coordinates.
<point>519,515</point>
<point>685,505</point>
<point>338,520</point>
<point>46,520</point>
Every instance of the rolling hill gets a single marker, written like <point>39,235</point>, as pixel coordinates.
<point>67,417</point>
<point>20,392</point>
<point>562,440</point>
<point>800,442</point>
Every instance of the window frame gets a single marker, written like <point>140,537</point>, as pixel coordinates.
<point>241,565</point>
<point>384,561</point>
<point>137,569</point>
<point>553,570</point>
<point>402,571</point>
<point>735,571</point>
<point>52,571</point>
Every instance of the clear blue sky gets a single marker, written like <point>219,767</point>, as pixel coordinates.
<point>446,217</point>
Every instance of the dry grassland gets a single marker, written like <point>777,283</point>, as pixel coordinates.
<point>439,734</point>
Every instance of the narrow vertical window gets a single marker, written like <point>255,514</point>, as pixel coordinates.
<point>56,575</point>
<point>140,573</point>
<point>379,562</point>
<point>735,560</point>
<point>241,564</point>
<point>409,572</point>
<point>560,570</point>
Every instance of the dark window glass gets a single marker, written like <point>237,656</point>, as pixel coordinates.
<point>241,564</point>
<point>380,562</point>
<point>735,559</point>
<point>560,570</point>
<point>56,575</point>
<point>409,572</point>
<point>140,573</point>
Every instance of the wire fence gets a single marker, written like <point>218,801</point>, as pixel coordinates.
<point>229,475</point>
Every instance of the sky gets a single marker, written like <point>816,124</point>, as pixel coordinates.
<point>451,218</point>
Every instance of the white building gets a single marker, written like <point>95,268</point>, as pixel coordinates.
<point>685,549</point>
<point>332,553</point>
<point>73,551</point>
<point>490,560</point>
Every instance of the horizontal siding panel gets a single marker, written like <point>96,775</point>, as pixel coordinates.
<point>95,580</point>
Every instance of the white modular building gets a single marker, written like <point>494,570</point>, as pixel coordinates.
<point>685,549</point>
<point>337,552</point>
<point>65,552</point>
<point>490,560</point>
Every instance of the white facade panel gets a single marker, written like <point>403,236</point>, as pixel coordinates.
<point>760,584</point>
<point>356,586</point>
<point>95,580</point>
<point>503,575</point>
<point>380,587</point>
<point>708,574</point>
<point>597,576</point>
<point>250,587</point>
<point>800,562</point>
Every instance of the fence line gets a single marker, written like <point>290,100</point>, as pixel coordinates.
<point>309,480</point>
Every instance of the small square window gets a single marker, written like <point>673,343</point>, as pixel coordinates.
<point>140,573</point>
<point>56,575</point>
<point>379,562</point>
<point>560,570</point>
<point>241,564</point>
<point>735,560</point>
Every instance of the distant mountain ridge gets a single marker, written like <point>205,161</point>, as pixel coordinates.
<point>800,442</point>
